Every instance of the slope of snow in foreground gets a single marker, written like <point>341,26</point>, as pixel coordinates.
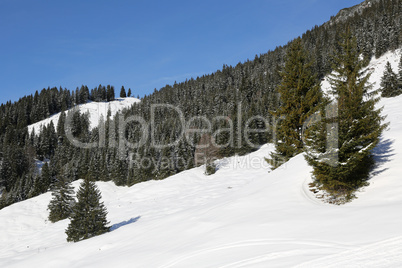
<point>242,216</point>
<point>96,110</point>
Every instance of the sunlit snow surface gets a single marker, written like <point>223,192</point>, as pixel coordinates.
<point>242,216</point>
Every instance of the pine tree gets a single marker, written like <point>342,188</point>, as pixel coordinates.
<point>61,205</point>
<point>89,214</point>
<point>355,119</point>
<point>123,92</point>
<point>389,82</point>
<point>299,96</point>
<point>43,181</point>
<point>129,92</point>
<point>400,74</point>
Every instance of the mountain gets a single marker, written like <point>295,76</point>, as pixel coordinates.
<point>349,12</point>
<point>244,215</point>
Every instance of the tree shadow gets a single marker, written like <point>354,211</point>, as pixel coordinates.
<point>124,223</point>
<point>381,155</point>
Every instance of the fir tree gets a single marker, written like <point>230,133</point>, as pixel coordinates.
<point>299,95</point>
<point>123,92</point>
<point>89,214</point>
<point>358,127</point>
<point>61,205</point>
<point>400,74</point>
<point>44,180</point>
<point>129,92</point>
<point>389,83</point>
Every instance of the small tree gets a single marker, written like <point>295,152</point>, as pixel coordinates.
<point>389,83</point>
<point>129,92</point>
<point>400,74</point>
<point>89,214</point>
<point>123,92</point>
<point>61,206</point>
<point>206,153</point>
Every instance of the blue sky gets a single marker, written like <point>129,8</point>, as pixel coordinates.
<point>141,44</point>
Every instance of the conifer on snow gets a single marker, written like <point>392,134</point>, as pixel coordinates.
<point>389,83</point>
<point>61,205</point>
<point>89,214</point>
<point>400,74</point>
<point>358,124</point>
<point>300,95</point>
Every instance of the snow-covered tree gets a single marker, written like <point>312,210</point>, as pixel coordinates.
<point>389,82</point>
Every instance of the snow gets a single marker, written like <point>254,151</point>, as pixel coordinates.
<point>376,66</point>
<point>242,216</point>
<point>96,110</point>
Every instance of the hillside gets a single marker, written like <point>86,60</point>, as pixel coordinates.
<point>242,216</point>
<point>96,110</point>
<point>248,89</point>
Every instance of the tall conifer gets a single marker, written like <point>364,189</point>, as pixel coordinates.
<point>300,95</point>
<point>357,122</point>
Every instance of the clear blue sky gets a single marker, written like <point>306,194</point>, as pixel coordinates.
<point>141,44</point>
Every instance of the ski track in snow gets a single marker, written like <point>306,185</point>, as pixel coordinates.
<point>242,216</point>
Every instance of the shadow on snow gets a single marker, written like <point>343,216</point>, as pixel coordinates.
<point>123,223</point>
<point>381,155</point>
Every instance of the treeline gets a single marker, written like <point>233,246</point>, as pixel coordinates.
<point>231,96</point>
<point>34,108</point>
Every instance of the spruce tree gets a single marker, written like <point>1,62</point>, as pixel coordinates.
<point>389,83</point>
<point>355,119</point>
<point>89,214</point>
<point>43,181</point>
<point>300,95</point>
<point>400,74</point>
<point>61,205</point>
<point>129,92</point>
<point>123,92</point>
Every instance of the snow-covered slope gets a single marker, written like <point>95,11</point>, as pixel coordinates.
<point>96,110</point>
<point>376,67</point>
<point>242,216</point>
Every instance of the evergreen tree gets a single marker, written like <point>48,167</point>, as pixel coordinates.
<point>358,127</point>
<point>129,92</point>
<point>43,181</point>
<point>299,96</point>
<point>89,214</point>
<point>400,74</point>
<point>123,92</point>
<point>110,96</point>
<point>389,83</point>
<point>61,206</point>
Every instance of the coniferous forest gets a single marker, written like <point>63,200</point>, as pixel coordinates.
<point>250,93</point>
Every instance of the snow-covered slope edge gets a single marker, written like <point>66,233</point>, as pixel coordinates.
<point>376,67</point>
<point>242,216</point>
<point>96,110</point>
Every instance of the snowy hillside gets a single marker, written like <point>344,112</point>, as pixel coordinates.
<point>96,110</point>
<point>242,216</point>
<point>376,67</point>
